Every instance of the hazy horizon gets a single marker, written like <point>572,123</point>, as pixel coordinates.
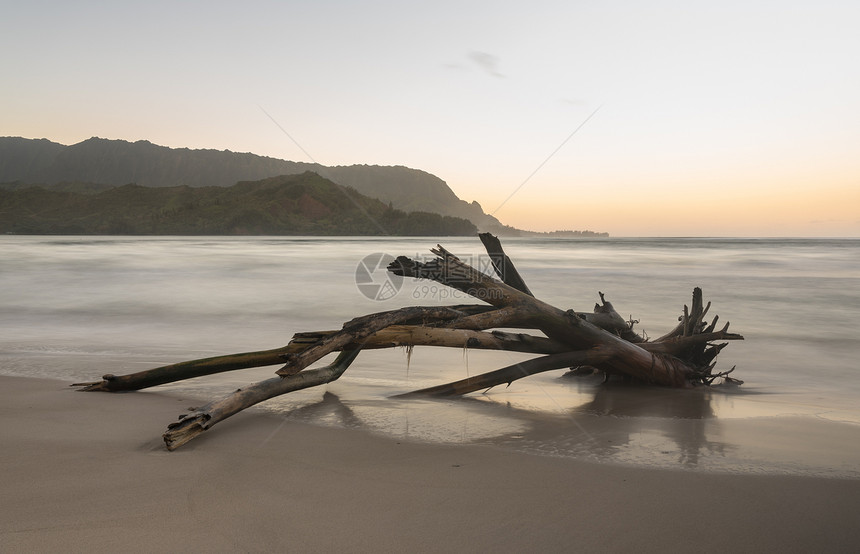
<point>733,120</point>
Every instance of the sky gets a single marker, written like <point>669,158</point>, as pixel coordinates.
<point>733,118</point>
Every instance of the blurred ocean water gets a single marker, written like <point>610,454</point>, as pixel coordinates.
<point>73,308</point>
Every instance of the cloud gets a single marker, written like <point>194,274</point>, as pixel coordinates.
<point>487,62</point>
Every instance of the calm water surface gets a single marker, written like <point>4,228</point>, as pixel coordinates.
<point>73,308</point>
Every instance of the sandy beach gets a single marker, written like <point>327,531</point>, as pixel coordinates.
<point>88,472</point>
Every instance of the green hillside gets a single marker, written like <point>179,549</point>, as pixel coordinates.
<point>117,162</point>
<point>304,204</point>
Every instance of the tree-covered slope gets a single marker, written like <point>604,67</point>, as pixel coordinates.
<point>118,162</point>
<point>304,204</point>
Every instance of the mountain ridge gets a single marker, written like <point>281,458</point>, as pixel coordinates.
<point>299,204</point>
<point>95,164</point>
<point>118,162</point>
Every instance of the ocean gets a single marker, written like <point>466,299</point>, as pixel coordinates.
<point>74,308</point>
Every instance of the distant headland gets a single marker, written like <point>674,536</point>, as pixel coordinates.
<point>102,186</point>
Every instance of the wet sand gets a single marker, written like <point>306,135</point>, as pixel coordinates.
<point>88,472</point>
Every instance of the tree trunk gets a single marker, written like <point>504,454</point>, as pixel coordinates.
<point>200,419</point>
<point>601,339</point>
<point>511,373</point>
<point>568,328</point>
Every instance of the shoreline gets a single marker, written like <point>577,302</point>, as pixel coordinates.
<point>83,470</point>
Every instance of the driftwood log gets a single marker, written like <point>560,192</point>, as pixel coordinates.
<point>600,340</point>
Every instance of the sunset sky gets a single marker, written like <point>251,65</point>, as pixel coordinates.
<point>703,118</point>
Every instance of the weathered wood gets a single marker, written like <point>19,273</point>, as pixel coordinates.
<point>356,333</point>
<point>200,419</point>
<point>608,319</point>
<point>568,328</point>
<point>219,364</point>
<point>358,329</point>
<point>503,265</point>
<point>511,373</point>
<point>602,340</point>
<point>415,335</point>
<point>458,333</point>
<point>390,337</point>
<point>187,370</point>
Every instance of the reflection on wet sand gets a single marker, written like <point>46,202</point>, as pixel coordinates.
<point>620,422</point>
<point>613,423</point>
<point>677,415</point>
<point>631,400</point>
<point>330,407</point>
